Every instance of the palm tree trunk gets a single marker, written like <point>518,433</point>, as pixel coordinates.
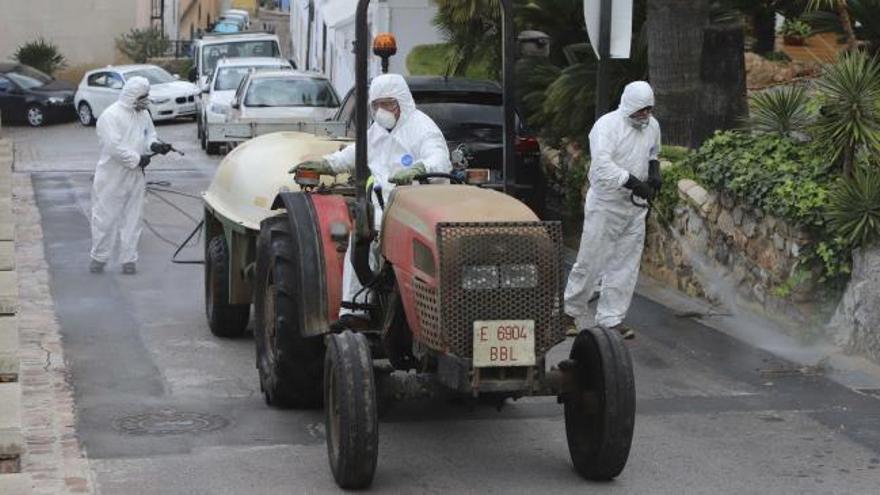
<point>675,43</point>
<point>846,21</point>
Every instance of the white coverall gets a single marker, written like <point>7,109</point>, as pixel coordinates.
<point>614,228</point>
<point>118,191</point>
<point>415,138</point>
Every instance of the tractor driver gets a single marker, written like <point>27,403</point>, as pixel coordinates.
<point>403,144</point>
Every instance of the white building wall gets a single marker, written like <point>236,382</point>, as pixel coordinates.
<point>84,31</point>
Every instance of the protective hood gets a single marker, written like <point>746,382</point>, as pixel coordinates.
<point>134,88</point>
<point>393,86</point>
<point>636,96</point>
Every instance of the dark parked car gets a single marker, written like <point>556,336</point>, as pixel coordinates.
<point>28,95</point>
<point>470,112</point>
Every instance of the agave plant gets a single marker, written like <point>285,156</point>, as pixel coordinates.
<point>849,121</point>
<point>782,110</point>
<point>854,207</point>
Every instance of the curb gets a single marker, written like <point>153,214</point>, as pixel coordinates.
<point>12,444</point>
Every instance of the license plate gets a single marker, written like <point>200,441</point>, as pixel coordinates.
<point>504,343</point>
<point>187,108</point>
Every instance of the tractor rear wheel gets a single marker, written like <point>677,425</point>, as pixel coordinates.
<point>600,411</point>
<point>224,319</point>
<point>352,422</point>
<point>290,365</point>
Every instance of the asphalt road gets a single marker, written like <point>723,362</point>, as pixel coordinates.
<point>715,414</point>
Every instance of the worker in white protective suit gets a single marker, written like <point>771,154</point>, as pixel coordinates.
<point>624,176</point>
<point>403,143</point>
<point>127,136</point>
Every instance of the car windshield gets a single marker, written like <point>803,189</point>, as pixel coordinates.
<point>230,77</point>
<point>212,54</point>
<point>28,78</point>
<point>291,92</point>
<point>464,116</point>
<point>226,27</point>
<point>155,75</point>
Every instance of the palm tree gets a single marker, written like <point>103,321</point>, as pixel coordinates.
<point>842,9</point>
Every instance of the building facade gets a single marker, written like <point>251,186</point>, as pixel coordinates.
<point>85,36</point>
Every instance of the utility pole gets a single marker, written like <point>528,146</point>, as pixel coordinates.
<point>602,83</point>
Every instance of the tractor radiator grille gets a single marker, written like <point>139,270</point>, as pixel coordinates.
<point>428,311</point>
<point>534,248</point>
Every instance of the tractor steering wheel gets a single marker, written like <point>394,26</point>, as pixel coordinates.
<point>423,178</point>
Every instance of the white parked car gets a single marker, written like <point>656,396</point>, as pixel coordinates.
<point>214,47</point>
<point>170,97</point>
<point>241,13</point>
<point>221,87</point>
<point>274,101</point>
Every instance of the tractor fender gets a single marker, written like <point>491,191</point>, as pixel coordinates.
<point>320,225</point>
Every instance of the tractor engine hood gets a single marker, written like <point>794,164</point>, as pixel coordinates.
<point>254,173</point>
<point>421,208</point>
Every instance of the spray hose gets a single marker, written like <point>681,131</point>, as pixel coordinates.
<point>157,187</point>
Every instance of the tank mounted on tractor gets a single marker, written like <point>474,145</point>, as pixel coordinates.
<point>466,295</point>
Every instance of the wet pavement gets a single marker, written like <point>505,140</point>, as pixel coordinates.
<point>165,407</point>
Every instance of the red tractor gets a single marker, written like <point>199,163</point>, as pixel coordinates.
<point>467,296</point>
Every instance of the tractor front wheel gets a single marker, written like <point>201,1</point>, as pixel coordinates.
<point>600,410</point>
<point>352,424</point>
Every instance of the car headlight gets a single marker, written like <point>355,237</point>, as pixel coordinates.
<point>159,101</point>
<point>56,100</point>
<point>218,108</point>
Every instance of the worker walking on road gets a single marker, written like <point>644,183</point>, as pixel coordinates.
<point>403,144</point>
<point>624,171</point>
<point>127,136</point>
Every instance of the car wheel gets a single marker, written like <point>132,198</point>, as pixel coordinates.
<point>224,319</point>
<point>86,117</point>
<point>35,115</point>
<point>203,140</point>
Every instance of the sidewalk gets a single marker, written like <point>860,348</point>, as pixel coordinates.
<point>39,449</point>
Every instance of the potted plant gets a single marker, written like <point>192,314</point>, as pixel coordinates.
<point>795,32</point>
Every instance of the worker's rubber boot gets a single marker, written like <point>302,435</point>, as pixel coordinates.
<point>129,268</point>
<point>96,266</point>
<point>625,331</point>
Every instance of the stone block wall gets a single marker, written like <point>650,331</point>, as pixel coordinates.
<point>722,251</point>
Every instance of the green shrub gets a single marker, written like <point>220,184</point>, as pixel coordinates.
<point>42,55</point>
<point>854,208</point>
<point>782,110</point>
<point>849,122</point>
<point>774,173</point>
<point>142,44</point>
<point>795,27</point>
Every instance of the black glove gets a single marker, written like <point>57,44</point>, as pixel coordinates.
<point>655,179</point>
<point>145,160</point>
<point>161,148</point>
<point>639,188</point>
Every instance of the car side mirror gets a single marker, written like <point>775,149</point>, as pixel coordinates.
<point>292,63</point>
<point>236,105</point>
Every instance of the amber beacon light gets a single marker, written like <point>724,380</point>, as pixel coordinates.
<point>384,45</point>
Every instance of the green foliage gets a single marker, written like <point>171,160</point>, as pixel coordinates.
<point>854,207</point>
<point>42,55</point>
<point>142,44</point>
<point>770,172</point>
<point>782,110</point>
<point>849,122</point>
<point>795,27</point>
<point>665,202</point>
<point>434,60</point>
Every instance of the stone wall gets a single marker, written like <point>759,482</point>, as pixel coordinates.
<point>722,251</point>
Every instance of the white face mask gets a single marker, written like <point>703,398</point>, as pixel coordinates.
<point>639,124</point>
<point>385,118</point>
